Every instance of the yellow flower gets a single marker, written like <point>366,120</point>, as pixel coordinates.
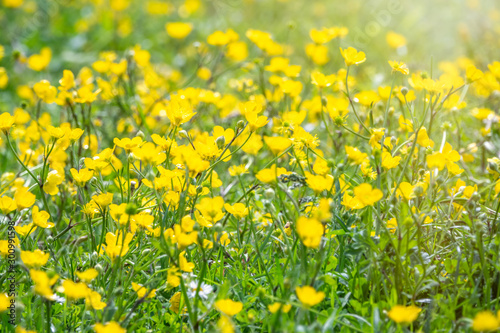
<point>445,158</point>
<point>355,155</point>
<point>12,4</point>
<point>405,191</point>
<point>251,111</point>
<point>485,321</point>
<point>235,170</point>
<point>309,296</point>
<point>82,176</point>
<point>179,111</point>
<point>392,224</point>
<point>175,302</point>
<point>310,231</point>
<point>184,265</point>
<point>87,275</point>
<point>473,74</point>
<point>35,258</point>
<point>275,307</point>
<point>86,95</point>
<point>103,200</point>
<point>220,38</point>
<point>178,30</point>
<point>389,162</point>
<point>321,80</point>
<point>93,300</point>
<point>270,175</point>
<point>277,144</point>
<point>4,246</point>
<point>317,53</point>
<point>377,134</point>
<point>322,36</point>
<point>128,144</point>
<point>5,302</point>
<point>56,132</point>
<point>399,67</point>
<point>228,306</point>
<point>237,51</point>
<point>211,209</point>
<point>40,218</point>
<point>225,325</point>
<point>119,5</point>
<point>7,205</point>
<point>239,210</point>
<point>367,195</point>
<point>352,56</point>
<point>141,291</point>
<point>4,78</point>
<point>43,283</point>
<point>54,178</point>
<point>45,91</point>
<point>423,138</point>
<point>319,183</point>
<point>6,122</point>
<point>395,40</point>
<point>204,73</point>
<point>39,62</point>
<point>25,230</point>
<point>173,277</point>
<point>111,327</point>
<point>116,246</point>
<point>74,291</point>
<point>404,314</point>
<point>68,80</point>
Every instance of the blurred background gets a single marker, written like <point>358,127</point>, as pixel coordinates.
<point>77,31</point>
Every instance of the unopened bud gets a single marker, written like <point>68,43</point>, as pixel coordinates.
<point>221,142</point>
<point>493,166</point>
<point>240,125</point>
<point>269,193</point>
<point>446,126</point>
<point>218,227</point>
<point>404,91</point>
<point>140,134</point>
<point>418,190</point>
<point>324,101</point>
<point>131,209</point>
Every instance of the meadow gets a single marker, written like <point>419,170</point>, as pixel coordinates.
<point>249,166</point>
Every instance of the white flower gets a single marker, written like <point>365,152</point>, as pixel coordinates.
<point>204,291</point>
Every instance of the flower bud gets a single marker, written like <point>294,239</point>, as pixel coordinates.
<point>418,190</point>
<point>140,134</point>
<point>218,227</point>
<point>240,125</point>
<point>324,101</point>
<point>99,268</point>
<point>475,196</point>
<point>446,126</point>
<point>269,193</point>
<point>493,166</point>
<point>221,142</point>
<point>404,91</point>
<point>339,121</point>
<point>131,209</point>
